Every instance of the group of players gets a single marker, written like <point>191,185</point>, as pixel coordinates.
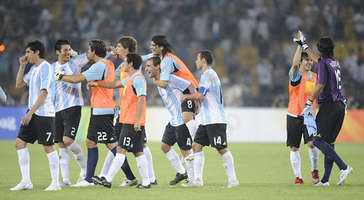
<point>319,132</point>
<point>54,112</point>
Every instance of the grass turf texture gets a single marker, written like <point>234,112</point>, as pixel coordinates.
<point>263,170</point>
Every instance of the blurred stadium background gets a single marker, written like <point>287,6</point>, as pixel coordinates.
<point>252,44</point>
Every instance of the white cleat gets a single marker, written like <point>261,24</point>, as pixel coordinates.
<point>83,183</point>
<point>188,184</point>
<point>65,184</point>
<point>22,186</point>
<point>344,174</point>
<point>128,183</point>
<point>81,177</point>
<point>321,184</point>
<point>53,187</point>
<point>232,184</point>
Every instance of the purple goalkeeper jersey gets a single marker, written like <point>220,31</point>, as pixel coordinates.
<point>329,75</point>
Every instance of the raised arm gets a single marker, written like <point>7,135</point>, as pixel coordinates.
<point>20,83</point>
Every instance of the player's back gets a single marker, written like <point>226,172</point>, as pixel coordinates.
<point>213,103</point>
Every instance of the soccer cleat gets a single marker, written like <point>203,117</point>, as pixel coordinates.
<point>232,184</point>
<point>128,183</point>
<point>298,181</point>
<point>53,187</point>
<point>141,186</point>
<point>179,177</point>
<point>154,182</point>
<point>98,180</point>
<point>83,183</point>
<point>65,184</point>
<point>344,174</point>
<point>315,176</point>
<point>105,183</point>
<point>321,184</point>
<point>22,186</point>
<point>189,184</point>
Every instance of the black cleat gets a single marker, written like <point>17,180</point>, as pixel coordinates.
<point>98,180</point>
<point>140,186</point>
<point>179,177</point>
<point>154,182</point>
<point>104,182</point>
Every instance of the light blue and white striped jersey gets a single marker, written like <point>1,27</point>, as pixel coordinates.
<point>212,108</point>
<point>167,68</point>
<point>67,94</point>
<point>171,97</point>
<point>38,78</point>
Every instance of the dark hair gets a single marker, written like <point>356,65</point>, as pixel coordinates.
<point>207,55</point>
<point>304,55</point>
<point>59,43</point>
<point>37,46</point>
<point>99,47</point>
<point>161,41</point>
<point>156,60</point>
<point>129,43</point>
<point>326,46</point>
<point>135,59</point>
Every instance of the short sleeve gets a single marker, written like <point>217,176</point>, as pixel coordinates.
<point>45,77</point>
<point>167,67</point>
<point>178,83</point>
<point>140,86</point>
<point>95,72</point>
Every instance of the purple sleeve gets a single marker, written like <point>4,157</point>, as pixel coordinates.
<point>321,73</point>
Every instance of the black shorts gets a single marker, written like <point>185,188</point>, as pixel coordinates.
<point>117,131</point>
<point>67,122</point>
<point>179,134</point>
<point>329,120</point>
<point>188,106</point>
<point>131,140</point>
<point>101,129</point>
<point>212,134</point>
<point>295,130</point>
<point>39,128</point>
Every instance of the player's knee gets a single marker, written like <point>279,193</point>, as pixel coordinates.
<point>121,150</point>
<point>90,144</point>
<point>48,148</point>
<point>19,144</point>
<point>196,147</point>
<point>165,148</point>
<point>222,151</point>
<point>111,146</point>
<point>294,148</point>
<point>187,116</point>
<point>61,145</point>
<point>67,141</point>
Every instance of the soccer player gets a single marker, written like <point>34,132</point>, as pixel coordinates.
<point>171,64</point>
<point>176,130</point>
<point>68,102</point>
<point>302,81</point>
<point>212,130</point>
<point>38,122</point>
<point>126,45</point>
<point>133,107</point>
<point>101,123</point>
<point>330,97</point>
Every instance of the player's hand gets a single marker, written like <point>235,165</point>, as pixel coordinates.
<point>73,53</point>
<point>92,84</point>
<point>23,61</point>
<point>137,127</point>
<point>26,119</point>
<point>300,39</point>
<point>59,75</point>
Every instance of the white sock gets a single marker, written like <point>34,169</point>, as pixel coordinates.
<point>24,164</point>
<point>115,166</point>
<point>198,165</point>
<point>189,169</point>
<point>63,163</point>
<point>176,163</point>
<point>313,154</point>
<point>229,166</point>
<point>148,156</point>
<point>107,163</point>
<point>53,160</point>
<point>75,148</point>
<point>192,126</point>
<point>142,165</point>
<point>296,163</point>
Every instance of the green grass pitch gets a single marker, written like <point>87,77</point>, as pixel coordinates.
<point>263,170</point>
